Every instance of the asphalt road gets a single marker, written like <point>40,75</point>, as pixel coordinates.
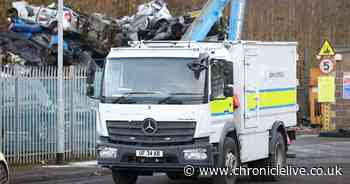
<point>311,152</point>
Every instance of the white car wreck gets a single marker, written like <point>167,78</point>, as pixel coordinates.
<point>46,16</point>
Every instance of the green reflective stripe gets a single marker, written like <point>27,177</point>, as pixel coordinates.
<point>221,106</point>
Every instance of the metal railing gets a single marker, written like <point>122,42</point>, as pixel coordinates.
<point>28,114</point>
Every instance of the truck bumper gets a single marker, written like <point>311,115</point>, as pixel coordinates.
<point>172,160</point>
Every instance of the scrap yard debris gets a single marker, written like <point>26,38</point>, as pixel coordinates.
<point>31,38</point>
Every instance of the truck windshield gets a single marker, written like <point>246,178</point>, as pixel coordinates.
<point>152,81</point>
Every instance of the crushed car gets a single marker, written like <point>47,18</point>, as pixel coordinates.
<point>37,45</point>
<point>149,18</point>
<point>15,49</point>
<point>45,16</point>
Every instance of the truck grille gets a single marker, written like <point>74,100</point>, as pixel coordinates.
<point>168,133</point>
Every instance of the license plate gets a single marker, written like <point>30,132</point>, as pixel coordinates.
<point>149,153</point>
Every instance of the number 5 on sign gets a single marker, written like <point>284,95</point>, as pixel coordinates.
<point>326,66</point>
<point>326,89</point>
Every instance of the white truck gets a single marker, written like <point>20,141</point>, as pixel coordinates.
<point>166,105</point>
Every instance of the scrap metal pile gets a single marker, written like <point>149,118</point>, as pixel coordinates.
<point>32,36</point>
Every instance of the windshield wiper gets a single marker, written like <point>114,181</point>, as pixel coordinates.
<point>128,94</point>
<point>172,95</point>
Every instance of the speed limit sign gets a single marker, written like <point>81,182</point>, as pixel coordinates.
<point>326,66</point>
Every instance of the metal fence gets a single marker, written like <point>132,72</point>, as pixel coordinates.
<point>28,115</point>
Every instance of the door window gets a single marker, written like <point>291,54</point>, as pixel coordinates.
<point>217,80</point>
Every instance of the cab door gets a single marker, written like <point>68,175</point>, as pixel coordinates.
<point>221,75</point>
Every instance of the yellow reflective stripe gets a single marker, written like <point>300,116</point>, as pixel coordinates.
<point>221,106</point>
<point>252,103</point>
<point>277,98</point>
<point>272,98</point>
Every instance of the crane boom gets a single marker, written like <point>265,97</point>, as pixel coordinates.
<point>211,13</point>
<point>236,19</point>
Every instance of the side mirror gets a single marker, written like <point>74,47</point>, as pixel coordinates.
<point>198,65</point>
<point>228,91</point>
<point>90,91</point>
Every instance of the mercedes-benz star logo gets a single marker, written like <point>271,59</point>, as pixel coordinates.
<point>150,126</point>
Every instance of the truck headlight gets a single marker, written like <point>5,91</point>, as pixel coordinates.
<point>106,152</point>
<point>195,154</point>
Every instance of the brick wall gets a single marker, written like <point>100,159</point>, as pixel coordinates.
<point>342,107</point>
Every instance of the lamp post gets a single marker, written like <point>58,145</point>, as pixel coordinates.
<point>60,87</point>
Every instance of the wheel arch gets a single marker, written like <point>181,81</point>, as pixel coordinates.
<point>3,162</point>
<point>11,11</point>
<point>229,130</point>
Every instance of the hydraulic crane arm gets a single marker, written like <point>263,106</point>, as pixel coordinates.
<point>211,13</point>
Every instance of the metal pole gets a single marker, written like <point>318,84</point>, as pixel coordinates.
<point>306,103</point>
<point>60,97</point>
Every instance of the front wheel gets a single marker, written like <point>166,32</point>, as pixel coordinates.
<point>230,161</point>
<point>124,177</point>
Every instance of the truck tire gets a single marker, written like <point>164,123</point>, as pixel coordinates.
<point>230,161</point>
<point>124,177</point>
<point>276,159</point>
